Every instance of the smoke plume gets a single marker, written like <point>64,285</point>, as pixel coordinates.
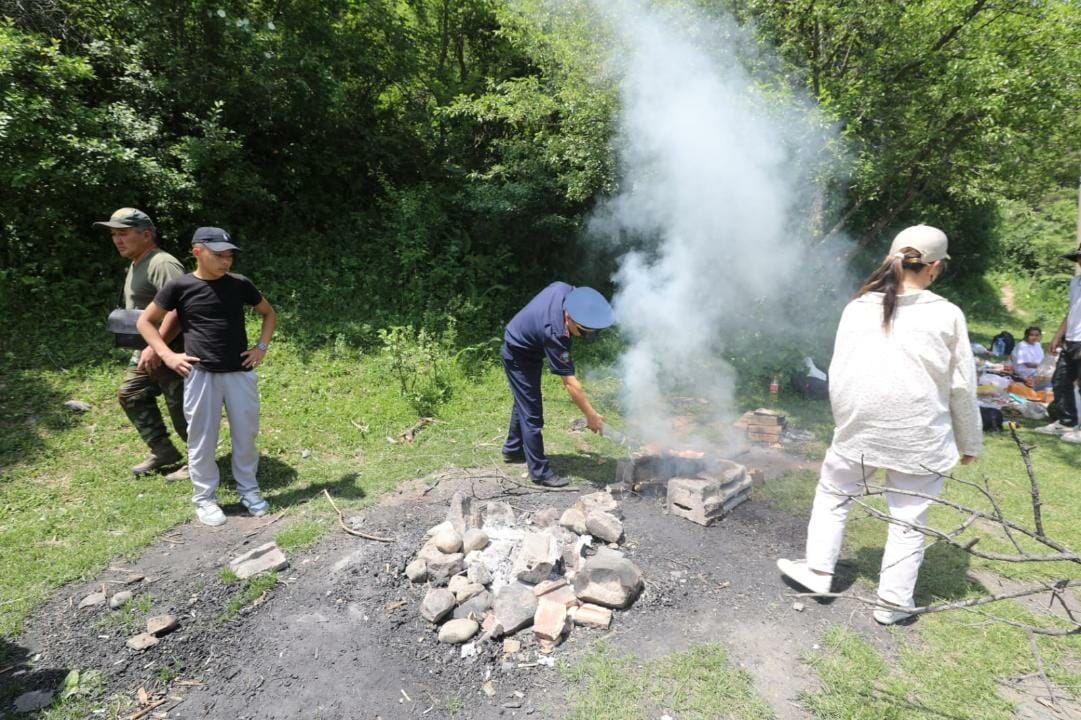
<point>721,176</point>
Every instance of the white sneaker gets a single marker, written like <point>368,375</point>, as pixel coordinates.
<point>210,514</point>
<point>798,571</point>
<point>890,615</point>
<point>1055,428</point>
<point>1073,436</point>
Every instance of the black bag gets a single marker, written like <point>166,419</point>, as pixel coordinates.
<point>1002,344</point>
<point>121,323</point>
<point>992,419</point>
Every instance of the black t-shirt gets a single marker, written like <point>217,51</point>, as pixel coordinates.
<point>212,316</point>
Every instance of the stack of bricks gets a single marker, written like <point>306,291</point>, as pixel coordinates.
<point>764,427</point>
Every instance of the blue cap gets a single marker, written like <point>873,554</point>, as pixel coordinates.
<point>588,308</point>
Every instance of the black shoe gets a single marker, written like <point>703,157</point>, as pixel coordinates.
<point>552,481</point>
<point>514,457</point>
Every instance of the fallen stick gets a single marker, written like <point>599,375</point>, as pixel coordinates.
<point>351,531</point>
<point>146,710</point>
<point>265,525</point>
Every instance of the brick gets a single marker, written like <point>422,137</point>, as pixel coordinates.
<point>564,595</point>
<point>548,586</point>
<point>592,616</point>
<point>550,620</point>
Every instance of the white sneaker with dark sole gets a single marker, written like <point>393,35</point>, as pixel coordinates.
<point>210,514</point>
<point>1055,428</point>
<point>798,571</point>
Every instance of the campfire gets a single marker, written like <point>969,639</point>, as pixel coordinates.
<point>697,487</point>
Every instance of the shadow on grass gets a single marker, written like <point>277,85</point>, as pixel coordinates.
<point>278,484</point>
<point>19,678</point>
<point>597,470</point>
<point>943,574</point>
<point>32,412</point>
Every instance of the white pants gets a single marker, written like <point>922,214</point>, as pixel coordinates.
<point>204,394</point>
<point>904,546</point>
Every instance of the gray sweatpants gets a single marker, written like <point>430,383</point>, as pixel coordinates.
<point>204,394</point>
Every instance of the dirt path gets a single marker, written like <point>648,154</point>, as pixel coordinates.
<point>341,637</point>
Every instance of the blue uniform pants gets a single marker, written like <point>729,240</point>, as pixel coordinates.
<point>527,417</point>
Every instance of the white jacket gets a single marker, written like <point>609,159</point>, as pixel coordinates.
<point>904,400</point>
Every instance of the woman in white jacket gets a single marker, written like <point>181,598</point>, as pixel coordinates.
<point>903,391</point>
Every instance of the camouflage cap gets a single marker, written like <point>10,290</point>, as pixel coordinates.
<point>127,218</point>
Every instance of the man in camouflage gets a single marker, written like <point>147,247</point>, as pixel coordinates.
<point>135,237</point>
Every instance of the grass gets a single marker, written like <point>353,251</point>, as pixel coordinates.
<point>131,614</point>
<point>331,420</point>
<point>251,591</point>
<point>698,684</point>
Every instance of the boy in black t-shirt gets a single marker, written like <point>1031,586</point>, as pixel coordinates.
<point>217,366</point>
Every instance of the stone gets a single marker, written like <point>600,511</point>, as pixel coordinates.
<point>467,591</point>
<point>448,542</point>
<point>705,500</point>
<point>604,525</point>
<point>573,553</point>
<point>563,595</point>
<point>591,615</point>
<point>538,556</point>
<point>546,517</point>
<point>417,571</point>
<point>479,573</point>
<point>574,520</point>
<point>550,620</point>
<point>134,578</point>
<point>437,604</point>
<point>77,405</point>
<point>469,650</point>
<point>436,529</point>
<point>598,501</point>
<point>161,625</point>
<point>119,599</point>
<point>474,539</point>
<point>94,598</point>
<point>499,514</point>
<point>458,582</point>
<point>474,607</point>
<point>514,607</point>
<point>798,606</point>
<point>490,626</point>
<point>548,586</point>
<point>265,558</point>
<point>142,641</point>
<point>34,700</point>
<point>464,514</point>
<point>511,646</point>
<point>608,579</point>
<point>458,631</point>
<point>441,566</point>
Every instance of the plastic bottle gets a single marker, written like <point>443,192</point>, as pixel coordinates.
<point>775,387</point>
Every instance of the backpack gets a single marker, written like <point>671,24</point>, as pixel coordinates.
<point>1002,344</point>
<point>992,419</point>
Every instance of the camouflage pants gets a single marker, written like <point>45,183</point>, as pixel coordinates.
<point>138,395</point>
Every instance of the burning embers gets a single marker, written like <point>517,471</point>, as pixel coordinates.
<point>698,488</point>
<point>503,572</point>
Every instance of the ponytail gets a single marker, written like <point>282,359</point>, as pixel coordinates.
<point>888,279</point>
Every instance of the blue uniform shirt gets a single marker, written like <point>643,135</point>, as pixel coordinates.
<point>538,330</point>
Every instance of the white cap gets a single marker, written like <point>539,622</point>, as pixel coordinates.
<point>930,241</point>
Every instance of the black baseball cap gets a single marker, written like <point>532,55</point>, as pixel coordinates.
<point>214,238</point>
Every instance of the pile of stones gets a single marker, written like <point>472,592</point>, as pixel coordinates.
<point>492,573</point>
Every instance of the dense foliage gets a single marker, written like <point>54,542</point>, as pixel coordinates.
<point>402,161</point>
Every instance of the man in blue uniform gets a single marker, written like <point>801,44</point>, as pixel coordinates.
<point>543,329</point>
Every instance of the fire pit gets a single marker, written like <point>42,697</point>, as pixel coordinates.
<point>699,488</point>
